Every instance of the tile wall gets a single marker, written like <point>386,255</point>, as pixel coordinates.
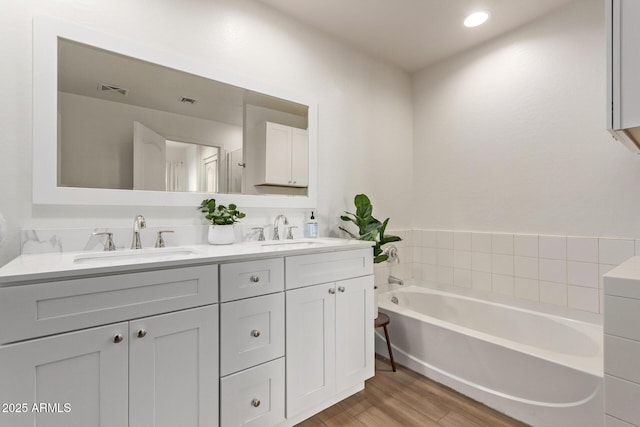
<point>560,270</point>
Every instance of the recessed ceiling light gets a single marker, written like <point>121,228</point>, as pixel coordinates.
<point>476,18</point>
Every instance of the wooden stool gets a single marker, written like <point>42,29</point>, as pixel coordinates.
<point>382,321</point>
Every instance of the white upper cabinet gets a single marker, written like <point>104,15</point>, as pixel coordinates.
<point>284,156</point>
<point>623,95</point>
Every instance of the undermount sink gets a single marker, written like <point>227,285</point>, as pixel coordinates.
<point>152,254</point>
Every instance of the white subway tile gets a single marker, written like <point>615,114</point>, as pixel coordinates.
<point>417,238</point>
<point>462,277</point>
<point>583,249</point>
<point>445,257</point>
<point>417,254</point>
<point>429,256</point>
<point>462,240</point>
<point>526,245</point>
<point>552,270</point>
<point>502,264</point>
<point>526,267</point>
<point>637,247</point>
<point>502,284</point>
<point>502,244</point>
<point>615,251</point>
<point>429,239</point>
<point>417,271</point>
<point>481,261</point>
<point>481,281</point>
<point>582,274</point>
<point>553,293</point>
<point>552,247</point>
<point>430,273</point>
<point>445,239</point>
<point>481,242</point>
<point>527,289</point>
<point>582,298</point>
<point>445,275</point>
<point>462,259</point>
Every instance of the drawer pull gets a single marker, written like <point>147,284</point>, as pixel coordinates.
<point>117,338</point>
<point>332,291</point>
<point>255,279</point>
<point>341,288</point>
<point>142,333</point>
<point>255,333</point>
<point>255,403</point>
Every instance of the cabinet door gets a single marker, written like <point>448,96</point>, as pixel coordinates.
<point>310,345</point>
<point>278,154</point>
<point>299,157</point>
<point>354,331</point>
<point>74,379</point>
<point>173,369</point>
<point>626,64</point>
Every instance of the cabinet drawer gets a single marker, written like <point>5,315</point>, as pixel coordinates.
<point>621,399</point>
<point>621,358</point>
<point>305,270</point>
<point>251,278</point>
<point>622,316</point>
<point>240,322</point>
<point>29,311</point>
<point>254,397</point>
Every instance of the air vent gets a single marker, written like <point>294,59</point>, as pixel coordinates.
<point>188,100</point>
<point>103,87</point>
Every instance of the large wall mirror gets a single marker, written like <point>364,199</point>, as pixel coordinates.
<point>120,123</point>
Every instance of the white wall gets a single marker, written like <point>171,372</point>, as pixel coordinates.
<point>510,137</point>
<point>364,105</point>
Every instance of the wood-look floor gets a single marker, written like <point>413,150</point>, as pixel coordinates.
<point>405,399</point>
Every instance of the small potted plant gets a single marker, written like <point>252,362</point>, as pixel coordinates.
<point>222,219</point>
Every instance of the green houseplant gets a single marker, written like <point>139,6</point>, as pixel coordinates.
<point>222,219</point>
<point>369,228</point>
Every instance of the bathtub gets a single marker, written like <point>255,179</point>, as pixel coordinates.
<point>543,369</point>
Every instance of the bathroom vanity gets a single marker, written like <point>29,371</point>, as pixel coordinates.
<point>258,334</point>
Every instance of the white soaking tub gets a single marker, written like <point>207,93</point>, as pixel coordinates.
<point>542,369</point>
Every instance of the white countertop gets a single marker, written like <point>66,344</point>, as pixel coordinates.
<point>62,265</point>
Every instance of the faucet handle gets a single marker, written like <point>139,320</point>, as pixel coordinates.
<point>260,231</point>
<point>160,239</point>
<point>289,233</point>
<point>108,244</point>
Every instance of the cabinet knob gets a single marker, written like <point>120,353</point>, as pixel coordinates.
<point>117,338</point>
<point>142,333</point>
<point>332,291</point>
<point>341,288</point>
<point>255,279</point>
<point>255,403</point>
<point>255,333</point>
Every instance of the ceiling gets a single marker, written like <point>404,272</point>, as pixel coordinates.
<point>412,34</point>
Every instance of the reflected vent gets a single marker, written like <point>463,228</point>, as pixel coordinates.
<point>103,87</point>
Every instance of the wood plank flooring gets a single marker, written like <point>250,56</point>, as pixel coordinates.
<point>406,399</point>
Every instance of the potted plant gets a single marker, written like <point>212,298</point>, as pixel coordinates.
<point>369,228</point>
<point>222,219</point>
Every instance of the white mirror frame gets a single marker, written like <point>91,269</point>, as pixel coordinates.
<point>46,32</point>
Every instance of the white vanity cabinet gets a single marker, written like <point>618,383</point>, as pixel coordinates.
<point>252,343</point>
<point>329,327</point>
<point>623,100</point>
<point>283,159</point>
<point>158,370</point>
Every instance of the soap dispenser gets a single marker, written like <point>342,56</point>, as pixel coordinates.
<point>312,226</point>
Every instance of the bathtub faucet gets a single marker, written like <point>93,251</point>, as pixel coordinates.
<point>394,279</point>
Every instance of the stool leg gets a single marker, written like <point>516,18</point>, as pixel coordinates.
<point>386,335</point>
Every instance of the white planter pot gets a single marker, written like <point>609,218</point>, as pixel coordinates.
<point>221,234</point>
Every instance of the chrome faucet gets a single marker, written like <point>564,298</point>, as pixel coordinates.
<point>394,279</point>
<point>138,224</point>
<point>276,233</point>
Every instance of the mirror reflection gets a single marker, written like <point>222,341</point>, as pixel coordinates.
<point>124,123</point>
